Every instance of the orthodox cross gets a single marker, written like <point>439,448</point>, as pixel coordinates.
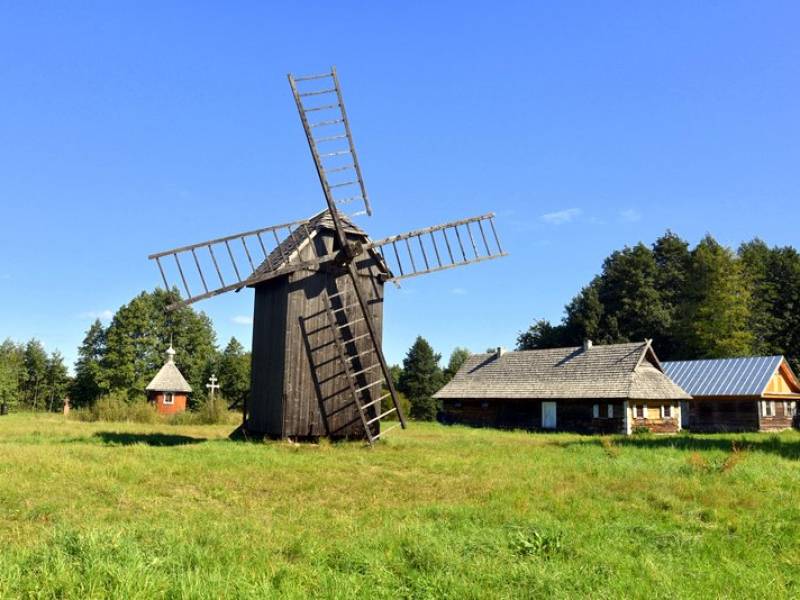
<point>212,386</point>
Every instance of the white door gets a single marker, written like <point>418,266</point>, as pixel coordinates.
<point>548,415</point>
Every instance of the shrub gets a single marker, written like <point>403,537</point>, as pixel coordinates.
<point>402,400</point>
<point>116,407</point>
<point>209,413</point>
<point>212,412</point>
<point>141,411</point>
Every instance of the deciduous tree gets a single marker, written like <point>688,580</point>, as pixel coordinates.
<point>35,361</point>
<point>457,358</point>
<point>141,330</point>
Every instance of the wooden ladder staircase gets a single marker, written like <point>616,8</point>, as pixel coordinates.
<point>344,312</point>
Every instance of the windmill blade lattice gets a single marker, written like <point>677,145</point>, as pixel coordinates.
<point>440,247</point>
<point>232,262</point>
<point>322,112</point>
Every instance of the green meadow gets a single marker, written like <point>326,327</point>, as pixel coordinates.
<point>94,510</point>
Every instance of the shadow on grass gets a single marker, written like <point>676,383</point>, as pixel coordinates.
<point>149,439</point>
<point>758,442</point>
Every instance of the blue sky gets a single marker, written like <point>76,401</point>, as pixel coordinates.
<point>128,128</point>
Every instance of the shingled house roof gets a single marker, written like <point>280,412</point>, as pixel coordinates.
<point>605,371</point>
<point>285,251</point>
<point>169,378</point>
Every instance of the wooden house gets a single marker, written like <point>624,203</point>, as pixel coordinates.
<point>168,390</point>
<point>758,393</point>
<point>616,388</point>
<point>297,378</point>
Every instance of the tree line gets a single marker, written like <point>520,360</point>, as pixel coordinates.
<point>701,302</point>
<point>122,357</point>
<point>31,377</point>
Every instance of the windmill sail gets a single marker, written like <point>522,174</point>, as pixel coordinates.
<point>440,247</point>
<point>228,263</point>
<point>322,112</point>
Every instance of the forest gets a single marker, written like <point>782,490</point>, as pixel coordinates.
<point>702,302</point>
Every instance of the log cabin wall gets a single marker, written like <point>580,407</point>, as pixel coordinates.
<point>503,414</point>
<point>571,415</point>
<point>782,393</point>
<point>775,414</point>
<point>655,415</point>
<point>723,414</point>
<point>582,417</point>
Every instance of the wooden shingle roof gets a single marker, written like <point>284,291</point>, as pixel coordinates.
<point>284,252</point>
<point>605,371</point>
<point>169,377</point>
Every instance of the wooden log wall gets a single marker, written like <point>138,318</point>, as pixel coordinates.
<point>571,415</point>
<point>723,414</point>
<point>653,421</point>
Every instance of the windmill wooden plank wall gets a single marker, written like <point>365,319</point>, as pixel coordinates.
<point>298,379</point>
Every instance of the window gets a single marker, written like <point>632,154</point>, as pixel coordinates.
<point>767,408</point>
<point>456,404</point>
<point>169,398</point>
<point>610,411</point>
<point>666,411</point>
<point>596,411</point>
<point>640,411</point>
<point>484,404</point>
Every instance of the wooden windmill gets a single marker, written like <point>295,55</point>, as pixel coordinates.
<point>318,368</point>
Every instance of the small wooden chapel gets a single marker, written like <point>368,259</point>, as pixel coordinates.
<point>169,390</point>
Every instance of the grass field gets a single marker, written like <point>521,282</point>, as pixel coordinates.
<point>124,510</point>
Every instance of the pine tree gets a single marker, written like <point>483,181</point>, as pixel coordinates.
<point>673,260</point>
<point>234,373</point>
<point>784,338</point>
<point>773,276</point>
<point>421,378</point>
<point>586,318</point>
<point>57,380</point>
<point>756,259</point>
<point>716,314</point>
<point>90,377</point>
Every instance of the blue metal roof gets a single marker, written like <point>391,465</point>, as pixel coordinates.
<point>723,376</point>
